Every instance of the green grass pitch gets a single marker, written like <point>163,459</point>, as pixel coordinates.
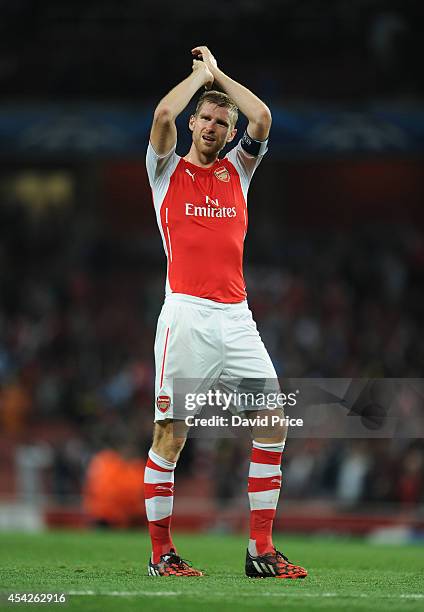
<point>102,571</point>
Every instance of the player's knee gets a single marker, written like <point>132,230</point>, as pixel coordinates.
<point>271,427</point>
<point>278,435</point>
<point>271,439</point>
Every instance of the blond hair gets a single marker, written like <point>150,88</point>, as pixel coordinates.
<point>220,99</point>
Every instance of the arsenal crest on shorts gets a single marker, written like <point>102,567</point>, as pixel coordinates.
<point>222,174</point>
<point>163,402</point>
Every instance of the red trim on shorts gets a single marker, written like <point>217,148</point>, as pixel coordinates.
<point>163,358</point>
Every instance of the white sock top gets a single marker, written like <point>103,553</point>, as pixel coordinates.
<point>161,462</point>
<point>273,446</point>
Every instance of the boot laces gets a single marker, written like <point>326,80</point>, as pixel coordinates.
<point>282,560</point>
<point>175,560</point>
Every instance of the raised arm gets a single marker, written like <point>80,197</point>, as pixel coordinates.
<point>257,113</point>
<point>163,134</point>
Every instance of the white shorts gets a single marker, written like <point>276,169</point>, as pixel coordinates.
<point>209,343</point>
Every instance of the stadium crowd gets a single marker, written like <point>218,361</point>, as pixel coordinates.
<point>77,313</point>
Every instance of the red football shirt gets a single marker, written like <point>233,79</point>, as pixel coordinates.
<point>202,217</point>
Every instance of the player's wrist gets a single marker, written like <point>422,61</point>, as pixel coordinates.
<point>201,77</point>
<point>204,72</point>
<point>218,74</point>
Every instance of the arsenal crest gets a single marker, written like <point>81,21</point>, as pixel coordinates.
<point>163,402</point>
<point>222,174</point>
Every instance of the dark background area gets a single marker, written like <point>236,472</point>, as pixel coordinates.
<point>320,49</point>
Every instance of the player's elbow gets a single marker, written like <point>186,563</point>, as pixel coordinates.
<point>264,118</point>
<point>163,115</point>
<point>259,127</point>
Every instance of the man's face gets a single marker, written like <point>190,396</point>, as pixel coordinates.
<point>211,128</point>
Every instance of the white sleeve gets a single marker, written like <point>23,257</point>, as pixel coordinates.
<point>245,164</point>
<point>160,167</point>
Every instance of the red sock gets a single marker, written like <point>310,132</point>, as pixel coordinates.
<point>264,490</point>
<point>261,522</point>
<point>159,497</point>
<point>160,535</point>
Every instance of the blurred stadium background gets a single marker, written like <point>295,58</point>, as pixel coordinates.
<point>334,256</point>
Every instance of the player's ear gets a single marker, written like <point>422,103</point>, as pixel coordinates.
<point>191,122</point>
<point>231,135</point>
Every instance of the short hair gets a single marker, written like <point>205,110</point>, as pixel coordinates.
<point>220,99</point>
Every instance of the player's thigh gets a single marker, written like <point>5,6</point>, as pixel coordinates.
<point>246,357</point>
<point>250,370</point>
<point>188,356</point>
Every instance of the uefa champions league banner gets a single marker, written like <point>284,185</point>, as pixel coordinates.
<point>100,131</point>
<point>78,130</point>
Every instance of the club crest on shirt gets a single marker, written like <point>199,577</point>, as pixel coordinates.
<point>163,402</point>
<point>222,174</point>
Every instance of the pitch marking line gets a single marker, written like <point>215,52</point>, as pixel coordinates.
<point>263,594</point>
<point>125,593</point>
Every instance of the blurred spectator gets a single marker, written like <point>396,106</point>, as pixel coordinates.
<point>410,488</point>
<point>15,406</point>
<point>353,472</point>
<point>32,459</point>
<point>113,491</point>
